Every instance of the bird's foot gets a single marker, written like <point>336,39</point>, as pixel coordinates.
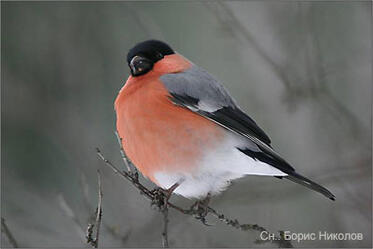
<point>135,175</point>
<point>161,196</point>
<point>200,209</point>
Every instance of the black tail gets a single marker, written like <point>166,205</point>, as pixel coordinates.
<point>285,167</point>
<point>309,184</point>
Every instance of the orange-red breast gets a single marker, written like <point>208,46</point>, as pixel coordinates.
<point>179,125</point>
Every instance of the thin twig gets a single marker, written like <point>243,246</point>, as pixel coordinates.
<point>122,153</point>
<point>133,178</point>
<point>279,240</point>
<point>165,227</point>
<point>9,235</point>
<point>89,235</point>
<point>99,208</point>
<point>153,196</point>
<point>113,231</point>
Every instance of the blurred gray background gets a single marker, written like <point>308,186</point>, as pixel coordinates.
<point>302,70</point>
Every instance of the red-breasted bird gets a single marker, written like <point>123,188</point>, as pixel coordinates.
<point>183,131</point>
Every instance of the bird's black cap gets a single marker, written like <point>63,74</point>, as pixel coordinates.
<point>153,50</point>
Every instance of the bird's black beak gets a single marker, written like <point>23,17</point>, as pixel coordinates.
<point>140,65</point>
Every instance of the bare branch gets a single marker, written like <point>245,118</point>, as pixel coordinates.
<point>165,226</point>
<point>89,235</point>
<point>99,208</point>
<point>9,235</point>
<point>279,240</point>
<point>156,199</point>
<point>122,153</point>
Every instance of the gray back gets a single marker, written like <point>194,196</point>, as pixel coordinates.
<point>199,84</point>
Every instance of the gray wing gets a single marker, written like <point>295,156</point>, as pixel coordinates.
<point>198,91</point>
<point>201,93</point>
<point>199,84</point>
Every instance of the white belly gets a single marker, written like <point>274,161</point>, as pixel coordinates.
<point>217,168</point>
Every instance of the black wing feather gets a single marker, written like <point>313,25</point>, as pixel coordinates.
<point>228,115</point>
<point>233,119</point>
<point>240,121</point>
<point>286,168</point>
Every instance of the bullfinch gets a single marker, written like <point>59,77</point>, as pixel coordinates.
<point>183,131</point>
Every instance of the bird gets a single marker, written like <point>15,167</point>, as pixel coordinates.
<point>183,131</point>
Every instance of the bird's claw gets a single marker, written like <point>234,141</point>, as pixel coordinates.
<point>203,221</point>
<point>160,198</point>
<point>200,211</point>
<point>134,175</point>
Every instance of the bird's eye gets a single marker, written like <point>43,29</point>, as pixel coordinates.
<point>159,55</point>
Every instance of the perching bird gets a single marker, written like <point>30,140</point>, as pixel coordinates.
<point>183,131</point>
